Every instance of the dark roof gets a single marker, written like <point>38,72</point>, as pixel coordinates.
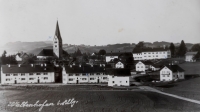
<point>26,68</point>
<point>114,53</point>
<point>84,69</point>
<point>46,52</point>
<point>152,50</point>
<point>118,72</point>
<point>191,53</point>
<point>174,68</point>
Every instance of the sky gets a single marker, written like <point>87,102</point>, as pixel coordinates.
<point>100,22</point>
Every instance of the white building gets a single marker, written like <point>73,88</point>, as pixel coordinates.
<point>119,77</point>
<point>84,74</point>
<point>152,53</point>
<point>18,58</point>
<point>112,56</point>
<point>171,72</point>
<point>189,56</point>
<point>119,64</point>
<point>140,66</point>
<point>14,74</point>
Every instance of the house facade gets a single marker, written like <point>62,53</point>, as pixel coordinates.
<point>171,72</point>
<point>139,67</point>
<point>189,56</point>
<point>152,53</point>
<point>112,56</point>
<point>16,74</point>
<point>119,77</point>
<point>119,64</point>
<point>84,74</point>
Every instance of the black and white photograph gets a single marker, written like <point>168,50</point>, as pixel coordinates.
<point>99,55</point>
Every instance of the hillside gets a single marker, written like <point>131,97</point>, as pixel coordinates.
<point>36,47</point>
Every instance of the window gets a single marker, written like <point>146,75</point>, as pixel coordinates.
<point>83,74</point>
<point>14,74</point>
<point>70,79</point>
<point>98,73</point>
<point>55,45</point>
<point>91,78</point>
<point>7,79</point>
<point>55,41</point>
<point>70,74</point>
<point>7,74</point>
<point>45,73</point>
<point>45,78</point>
<point>84,78</point>
<point>31,78</point>
<point>38,73</point>
<point>22,78</point>
<point>23,74</point>
<point>126,81</point>
<point>163,75</point>
<point>113,81</point>
<point>30,73</point>
<point>104,77</point>
<point>77,74</point>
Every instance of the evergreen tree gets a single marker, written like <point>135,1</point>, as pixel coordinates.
<point>182,49</point>
<point>102,52</point>
<point>172,49</point>
<point>138,47</point>
<point>78,53</point>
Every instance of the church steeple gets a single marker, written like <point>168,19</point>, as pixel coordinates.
<point>57,43</point>
<point>57,33</point>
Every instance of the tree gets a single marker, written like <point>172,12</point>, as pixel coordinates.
<point>138,47</point>
<point>196,48</point>
<point>78,53</point>
<point>102,52</point>
<point>182,49</point>
<point>172,49</point>
<point>8,59</point>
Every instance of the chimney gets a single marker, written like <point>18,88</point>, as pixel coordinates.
<point>70,66</point>
<point>91,65</point>
<point>19,65</point>
<point>8,65</point>
<point>31,65</point>
<point>45,64</point>
<point>79,65</point>
<point>41,65</point>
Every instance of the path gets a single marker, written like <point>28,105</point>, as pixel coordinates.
<point>146,88</point>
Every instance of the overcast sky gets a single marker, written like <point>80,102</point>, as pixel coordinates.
<point>100,22</point>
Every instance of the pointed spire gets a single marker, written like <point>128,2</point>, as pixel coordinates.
<point>57,33</point>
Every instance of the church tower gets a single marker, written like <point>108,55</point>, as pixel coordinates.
<point>57,43</point>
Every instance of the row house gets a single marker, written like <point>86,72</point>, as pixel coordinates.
<point>171,72</point>
<point>152,53</point>
<point>84,74</point>
<point>14,74</point>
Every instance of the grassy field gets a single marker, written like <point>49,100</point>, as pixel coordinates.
<point>92,99</point>
<point>191,68</point>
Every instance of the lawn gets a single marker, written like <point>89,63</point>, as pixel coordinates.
<point>191,68</point>
<point>93,99</point>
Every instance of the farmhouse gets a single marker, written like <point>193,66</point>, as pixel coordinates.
<point>152,53</point>
<point>21,56</point>
<point>84,74</point>
<point>171,72</point>
<point>13,74</point>
<point>146,66</point>
<point>189,56</point>
<point>119,64</point>
<point>119,77</point>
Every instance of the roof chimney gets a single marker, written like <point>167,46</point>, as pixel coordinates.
<point>41,65</point>
<point>8,65</point>
<point>45,64</point>
<point>31,65</point>
<point>79,65</point>
<point>19,65</point>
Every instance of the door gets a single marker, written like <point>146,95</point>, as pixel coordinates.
<point>15,81</point>
<point>76,81</point>
<point>38,80</point>
<point>97,80</point>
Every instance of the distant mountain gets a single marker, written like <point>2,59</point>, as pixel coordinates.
<point>36,47</point>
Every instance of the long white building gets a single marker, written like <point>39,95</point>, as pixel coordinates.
<point>14,74</point>
<point>84,74</point>
<point>152,53</point>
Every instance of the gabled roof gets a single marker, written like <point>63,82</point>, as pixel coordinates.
<point>151,50</point>
<point>27,68</point>
<point>114,53</point>
<point>174,68</point>
<point>191,53</point>
<point>118,72</point>
<point>85,69</point>
<point>46,52</point>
